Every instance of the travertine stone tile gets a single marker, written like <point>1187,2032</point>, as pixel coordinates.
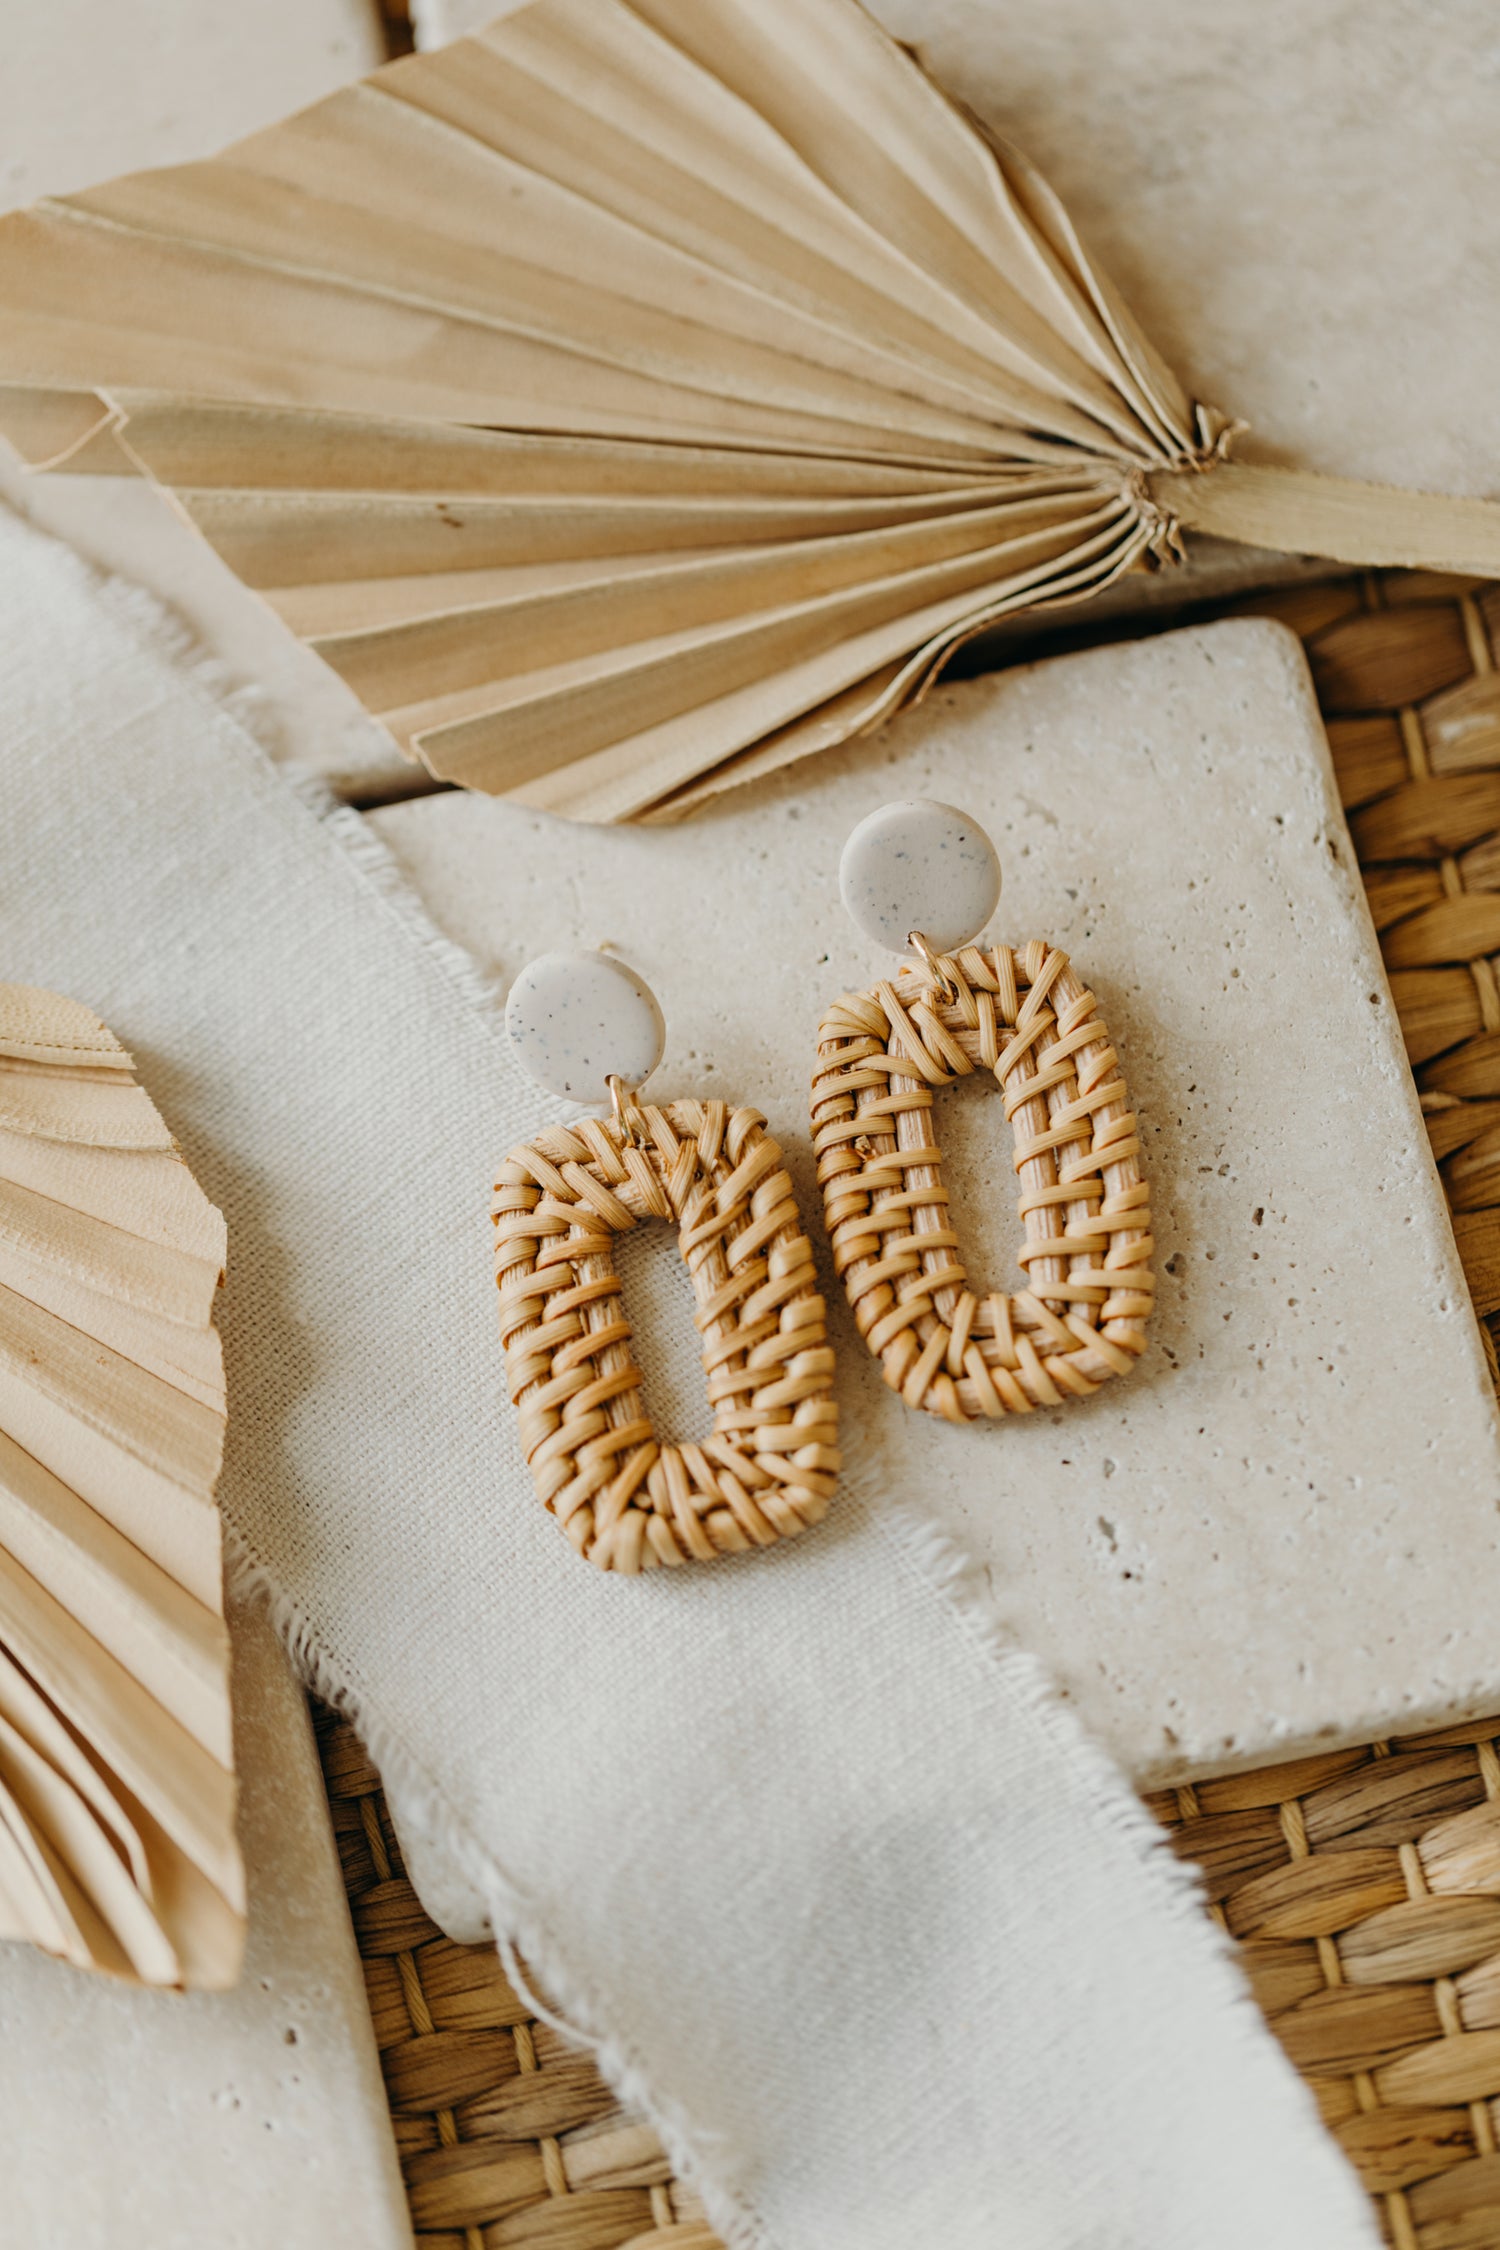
<point>1281,1529</point>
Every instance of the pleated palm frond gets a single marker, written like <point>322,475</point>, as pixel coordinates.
<point>117,1841</point>
<point>625,400</point>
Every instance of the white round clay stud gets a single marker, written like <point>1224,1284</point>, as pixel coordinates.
<point>578,1019</point>
<point>919,865</point>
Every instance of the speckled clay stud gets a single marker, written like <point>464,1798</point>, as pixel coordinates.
<point>585,1026</point>
<point>924,877</point>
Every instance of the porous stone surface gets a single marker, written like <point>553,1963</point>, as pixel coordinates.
<point>1300,200</point>
<point>134,2120</point>
<point>1281,1530</point>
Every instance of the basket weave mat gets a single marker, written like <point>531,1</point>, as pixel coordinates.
<point>1364,1885</point>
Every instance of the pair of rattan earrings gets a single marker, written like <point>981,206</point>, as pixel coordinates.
<point>915,876</point>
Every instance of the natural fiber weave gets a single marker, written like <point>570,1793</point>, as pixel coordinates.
<point>623,410</point>
<point>508,2138</point>
<point>1363,1886</point>
<point>627,1501</point>
<point>1084,1206</point>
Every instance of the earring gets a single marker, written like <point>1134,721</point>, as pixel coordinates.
<point>923,876</point>
<point>585,1026</point>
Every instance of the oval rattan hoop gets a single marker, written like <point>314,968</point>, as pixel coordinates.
<point>626,1501</point>
<point>1084,1206</point>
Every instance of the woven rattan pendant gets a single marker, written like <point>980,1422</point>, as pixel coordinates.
<point>882,1054</point>
<point>640,394</point>
<point>117,1842</point>
<point>583,1024</point>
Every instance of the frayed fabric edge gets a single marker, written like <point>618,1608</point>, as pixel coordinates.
<point>518,1925</point>
<point>146,615</point>
<point>1107,1799</point>
<point>1111,1806</point>
<point>1109,1803</point>
<point>388,879</point>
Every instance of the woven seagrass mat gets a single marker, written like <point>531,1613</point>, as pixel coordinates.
<point>1363,1886</point>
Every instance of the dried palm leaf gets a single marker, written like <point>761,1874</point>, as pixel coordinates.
<point>639,394</point>
<point>117,1843</point>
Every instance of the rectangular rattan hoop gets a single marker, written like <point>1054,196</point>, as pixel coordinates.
<point>766,1469</point>
<point>1363,1886</point>
<point>1084,1207</point>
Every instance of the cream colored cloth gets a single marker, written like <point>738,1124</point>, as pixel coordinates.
<point>886,1948</point>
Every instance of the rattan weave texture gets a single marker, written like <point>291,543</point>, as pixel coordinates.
<point>767,1469</point>
<point>508,2139</point>
<point>1085,1210</point>
<point>1363,1886</point>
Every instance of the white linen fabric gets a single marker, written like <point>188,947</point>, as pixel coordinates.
<point>884,1946</point>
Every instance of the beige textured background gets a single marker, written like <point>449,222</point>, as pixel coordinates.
<point>223,2121</point>
<point>1258,1540</point>
<point>1300,199</point>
